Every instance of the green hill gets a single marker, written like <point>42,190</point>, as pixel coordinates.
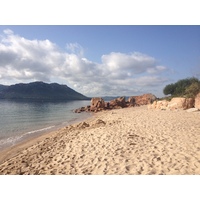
<point>40,91</point>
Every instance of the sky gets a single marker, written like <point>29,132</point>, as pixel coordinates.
<point>99,60</point>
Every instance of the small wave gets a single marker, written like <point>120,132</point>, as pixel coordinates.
<point>10,140</point>
<point>14,139</point>
<point>39,130</point>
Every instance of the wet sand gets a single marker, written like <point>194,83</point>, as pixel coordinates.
<point>123,141</point>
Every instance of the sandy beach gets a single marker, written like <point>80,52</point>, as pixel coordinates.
<point>129,141</point>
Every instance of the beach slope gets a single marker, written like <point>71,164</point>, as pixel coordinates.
<point>124,141</point>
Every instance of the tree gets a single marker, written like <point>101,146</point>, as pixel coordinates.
<point>180,86</point>
<point>193,89</point>
<point>188,87</point>
<point>169,89</point>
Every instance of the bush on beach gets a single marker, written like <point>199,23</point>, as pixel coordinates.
<point>187,88</point>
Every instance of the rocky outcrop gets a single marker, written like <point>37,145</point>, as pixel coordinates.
<point>144,99</point>
<point>131,101</point>
<point>189,103</point>
<point>161,105</point>
<point>118,103</point>
<point>181,103</point>
<point>197,101</point>
<point>175,103</point>
<point>82,109</point>
<point>97,104</point>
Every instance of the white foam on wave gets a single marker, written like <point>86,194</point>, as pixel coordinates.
<point>14,139</point>
<point>9,140</point>
<point>39,130</point>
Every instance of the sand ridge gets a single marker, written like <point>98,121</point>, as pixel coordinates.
<point>124,141</point>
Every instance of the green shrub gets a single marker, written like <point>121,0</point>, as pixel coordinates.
<point>188,87</point>
<point>193,90</point>
<point>169,89</point>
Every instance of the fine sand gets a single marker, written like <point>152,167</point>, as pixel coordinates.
<point>124,141</point>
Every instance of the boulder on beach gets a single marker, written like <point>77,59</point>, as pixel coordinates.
<point>181,103</point>
<point>161,105</point>
<point>97,104</point>
<point>189,103</point>
<point>118,103</point>
<point>175,103</point>
<point>131,101</point>
<point>197,101</point>
<point>144,99</point>
<point>82,109</point>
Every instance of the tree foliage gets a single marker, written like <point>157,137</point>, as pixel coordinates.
<point>169,89</point>
<point>188,87</point>
<point>193,89</point>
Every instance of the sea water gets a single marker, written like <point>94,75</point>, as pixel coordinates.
<point>20,120</point>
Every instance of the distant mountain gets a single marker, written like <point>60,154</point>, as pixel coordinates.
<point>2,87</point>
<point>40,91</point>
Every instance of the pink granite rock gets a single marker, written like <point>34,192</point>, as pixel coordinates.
<point>97,104</point>
<point>118,103</point>
<point>144,99</point>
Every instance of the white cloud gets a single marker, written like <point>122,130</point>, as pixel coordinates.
<point>8,31</point>
<point>118,74</point>
<point>156,69</point>
<point>75,48</point>
<point>134,62</point>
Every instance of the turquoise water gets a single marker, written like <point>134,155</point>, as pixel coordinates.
<point>22,120</point>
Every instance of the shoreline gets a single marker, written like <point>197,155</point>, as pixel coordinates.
<point>128,141</point>
<point>11,151</point>
<point>20,120</point>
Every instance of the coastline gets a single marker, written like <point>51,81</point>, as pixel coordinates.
<point>132,140</point>
<point>11,151</point>
<point>22,120</point>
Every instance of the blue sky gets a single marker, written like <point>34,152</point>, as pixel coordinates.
<point>100,60</point>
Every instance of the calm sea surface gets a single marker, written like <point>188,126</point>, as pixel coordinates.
<point>22,120</point>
